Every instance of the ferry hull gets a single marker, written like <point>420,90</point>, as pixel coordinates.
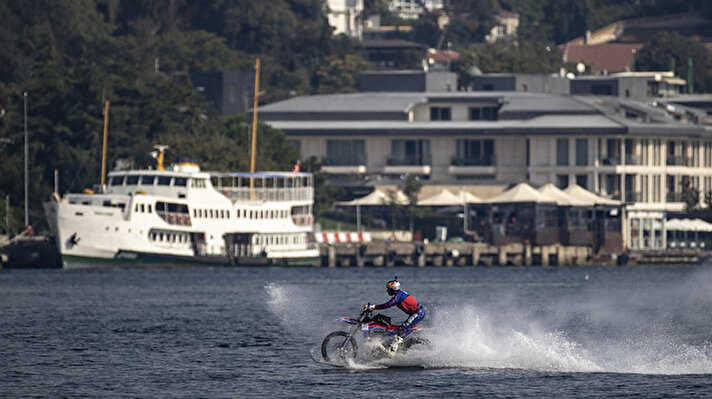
<point>135,259</point>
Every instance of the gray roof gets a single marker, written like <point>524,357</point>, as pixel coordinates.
<point>547,124</point>
<point>515,105</point>
<point>378,113</point>
<point>353,102</point>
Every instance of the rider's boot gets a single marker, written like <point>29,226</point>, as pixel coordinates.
<point>393,348</point>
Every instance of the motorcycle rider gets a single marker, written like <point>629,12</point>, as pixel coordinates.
<point>405,302</point>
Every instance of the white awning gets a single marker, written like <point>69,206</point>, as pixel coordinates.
<point>581,193</point>
<point>443,198</point>
<point>376,198</point>
<point>522,192</point>
<point>688,225</point>
<point>563,198</point>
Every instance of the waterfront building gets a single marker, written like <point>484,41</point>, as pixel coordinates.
<point>345,17</point>
<point>639,151</point>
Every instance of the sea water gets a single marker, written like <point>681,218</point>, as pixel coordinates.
<point>507,332</point>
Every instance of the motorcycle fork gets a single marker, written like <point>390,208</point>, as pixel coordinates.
<point>352,332</point>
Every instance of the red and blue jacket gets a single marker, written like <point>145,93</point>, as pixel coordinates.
<point>403,300</point>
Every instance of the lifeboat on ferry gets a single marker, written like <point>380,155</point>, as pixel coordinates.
<point>186,166</point>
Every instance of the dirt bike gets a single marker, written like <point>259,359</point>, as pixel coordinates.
<point>340,346</point>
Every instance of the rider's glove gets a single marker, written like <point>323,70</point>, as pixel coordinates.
<point>370,306</point>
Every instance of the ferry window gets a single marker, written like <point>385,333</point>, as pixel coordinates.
<point>160,206</point>
<point>211,213</point>
<point>147,180</point>
<point>180,181</point>
<point>117,181</point>
<point>131,180</point>
<point>195,213</point>
<point>227,214</point>
<point>149,208</point>
<point>136,209</point>
<point>164,180</point>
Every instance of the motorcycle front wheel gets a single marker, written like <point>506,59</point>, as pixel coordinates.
<point>336,347</point>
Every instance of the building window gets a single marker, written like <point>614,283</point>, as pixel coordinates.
<point>582,180</point>
<point>581,152</point>
<point>483,113</point>
<point>605,89</point>
<point>345,152</point>
<point>562,181</point>
<point>562,152</point>
<point>474,153</point>
<point>440,114</point>
<point>410,152</point>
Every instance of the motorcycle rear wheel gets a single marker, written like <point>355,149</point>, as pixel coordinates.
<point>333,348</point>
<point>415,342</point>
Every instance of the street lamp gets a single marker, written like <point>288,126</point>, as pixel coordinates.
<point>27,184</point>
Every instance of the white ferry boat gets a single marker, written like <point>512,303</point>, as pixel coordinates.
<point>183,214</point>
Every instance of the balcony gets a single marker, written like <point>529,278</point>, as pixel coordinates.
<point>470,166</point>
<point>633,197</point>
<point>352,165</point>
<point>610,161</point>
<point>673,197</point>
<point>408,165</point>
<point>631,159</point>
<point>678,161</point>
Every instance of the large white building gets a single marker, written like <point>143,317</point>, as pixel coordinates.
<point>345,16</point>
<point>637,151</point>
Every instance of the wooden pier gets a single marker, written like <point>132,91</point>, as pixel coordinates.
<point>388,253</point>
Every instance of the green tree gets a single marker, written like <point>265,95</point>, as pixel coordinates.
<point>411,187</point>
<point>690,195</point>
<point>502,57</point>
<point>656,56</point>
<point>324,194</point>
<point>339,74</point>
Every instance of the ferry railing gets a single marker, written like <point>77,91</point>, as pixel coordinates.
<point>268,193</point>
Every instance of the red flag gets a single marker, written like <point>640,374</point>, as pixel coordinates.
<point>296,167</point>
